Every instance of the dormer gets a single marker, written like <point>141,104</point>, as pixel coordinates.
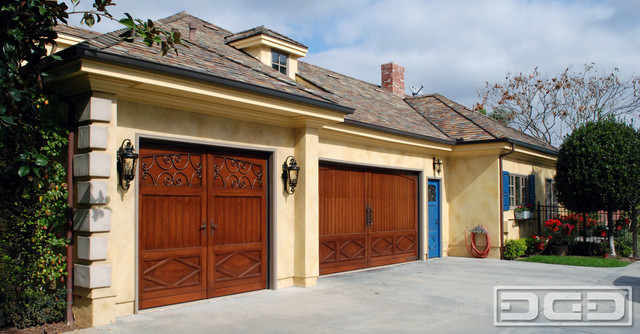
<point>273,49</point>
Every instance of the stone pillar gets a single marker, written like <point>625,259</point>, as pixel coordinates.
<point>306,229</point>
<point>94,300</point>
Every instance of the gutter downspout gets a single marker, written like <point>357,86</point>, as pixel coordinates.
<point>70,151</point>
<point>513,148</point>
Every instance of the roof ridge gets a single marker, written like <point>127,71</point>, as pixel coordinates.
<point>349,77</point>
<point>437,97</point>
<point>427,119</point>
<point>496,122</point>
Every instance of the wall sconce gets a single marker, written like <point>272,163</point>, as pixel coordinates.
<point>127,158</point>
<point>437,165</point>
<point>290,171</point>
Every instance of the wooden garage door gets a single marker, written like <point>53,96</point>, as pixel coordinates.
<point>367,218</point>
<point>202,226</point>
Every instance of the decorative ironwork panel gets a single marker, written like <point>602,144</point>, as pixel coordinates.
<point>179,170</point>
<point>432,193</point>
<point>235,173</point>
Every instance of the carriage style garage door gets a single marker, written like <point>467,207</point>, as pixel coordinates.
<point>367,218</point>
<point>202,226</point>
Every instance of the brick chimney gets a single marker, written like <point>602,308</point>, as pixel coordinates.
<point>393,78</point>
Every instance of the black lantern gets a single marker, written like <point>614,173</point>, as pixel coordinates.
<point>290,171</point>
<point>127,158</point>
<point>437,165</point>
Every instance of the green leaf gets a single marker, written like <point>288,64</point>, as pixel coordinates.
<point>41,160</point>
<point>8,119</point>
<point>23,170</point>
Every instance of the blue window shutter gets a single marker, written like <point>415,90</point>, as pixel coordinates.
<point>532,190</point>
<point>505,191</point>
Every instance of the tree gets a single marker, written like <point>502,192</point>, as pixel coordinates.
<point>32,140</point>
<point>549,108</point>
<point>598,167</point>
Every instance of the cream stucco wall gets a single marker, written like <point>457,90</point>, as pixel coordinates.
<point>473,194</point>
<point>519,164</point>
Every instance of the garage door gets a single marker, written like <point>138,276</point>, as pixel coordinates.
<point>202,226</point>
<point>367,218</point>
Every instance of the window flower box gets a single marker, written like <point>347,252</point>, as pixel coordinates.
<point>522,215</point>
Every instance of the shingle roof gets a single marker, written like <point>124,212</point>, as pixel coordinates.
<point>428,116</point>
<point>261,30</point>
<point>75,31</point>
<point>372,104</point>
<point>207,53</point>
<point>466,125</point>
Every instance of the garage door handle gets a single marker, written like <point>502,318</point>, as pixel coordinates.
<point>203,227</point>
<point>213,227</point>
<point>369,215</point>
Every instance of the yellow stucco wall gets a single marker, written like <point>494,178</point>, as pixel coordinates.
<point>518,164</point>
<point>473,195</point>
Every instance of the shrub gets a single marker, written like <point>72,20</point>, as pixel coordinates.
<point>33,308</point>
<point>514,248</point>
<point>623,249</point>
<point>530,243</point>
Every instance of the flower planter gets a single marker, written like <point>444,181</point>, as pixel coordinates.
<point>540,246</point>
<point>522,215</point>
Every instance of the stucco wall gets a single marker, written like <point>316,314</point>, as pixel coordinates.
<point>473,195</point>
<point>518,165</point>
<point>134,120</point>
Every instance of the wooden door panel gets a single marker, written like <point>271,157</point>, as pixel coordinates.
<point>393,199</point>
<point>237,210</point>
<point>183,189</point>
<point>172,260</point>
<point>342,220</point>
<point>171,222</point>
<point>347,242</point>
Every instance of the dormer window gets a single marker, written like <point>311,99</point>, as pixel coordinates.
<point>279,61</point>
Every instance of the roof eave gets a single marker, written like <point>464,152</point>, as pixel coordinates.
<point>398,132</point>
<point>79,51</point>
<point>510,141</point>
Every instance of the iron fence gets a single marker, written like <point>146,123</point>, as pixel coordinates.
<point>590,226</point>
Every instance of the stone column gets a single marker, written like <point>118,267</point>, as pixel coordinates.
<point>306,227</point>
<point>94,300</point>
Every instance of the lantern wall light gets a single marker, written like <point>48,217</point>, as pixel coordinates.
<point>437,165</point>
<point>127,159</point>
<point>290,173</point>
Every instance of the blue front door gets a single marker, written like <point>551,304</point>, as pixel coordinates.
<point>433,198</point>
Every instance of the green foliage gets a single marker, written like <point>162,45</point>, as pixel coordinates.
<point>623,249</point>
<point>530,243</point>
<point>34,307</point>
<point>514,248</point>
<point>32,139</point>
<point>594,167</point>
<point>576,261</point>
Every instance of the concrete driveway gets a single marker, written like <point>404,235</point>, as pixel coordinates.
<point>451,295</point>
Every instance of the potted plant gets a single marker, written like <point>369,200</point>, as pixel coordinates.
<point>523,212</point>
<point>562,235</point>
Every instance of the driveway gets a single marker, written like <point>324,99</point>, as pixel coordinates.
<point>450,295</point>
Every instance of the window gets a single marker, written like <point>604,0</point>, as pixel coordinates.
<point>279,62</point>
<point>550,192</point>
<point>518,190</point>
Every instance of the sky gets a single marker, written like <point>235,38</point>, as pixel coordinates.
<point>452,47</point>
